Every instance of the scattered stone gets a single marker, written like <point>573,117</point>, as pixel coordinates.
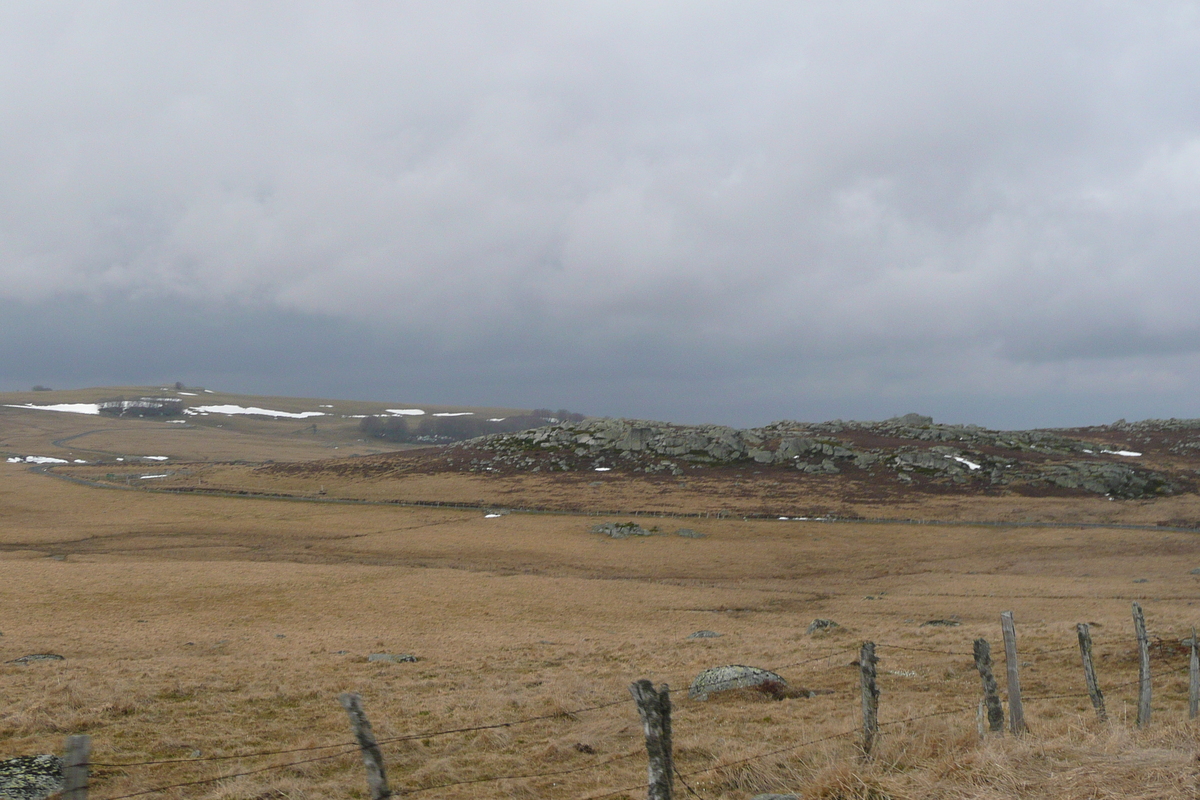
<point>819,624</point>
<point>389,658</point>
<point>341,652</point>
<point>580,747</point>
<point>35,657</point>
<point>688,533</point>
<point>621,530</point>
<point>940,623</point>
<point>281,636</point>
<point>1141,580</point>
<point>30,777</point>
<point>732,676</point>
<point>1195,571</point>
<point>705,635</point>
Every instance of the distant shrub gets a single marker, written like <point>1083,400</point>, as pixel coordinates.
<point>40,388</point>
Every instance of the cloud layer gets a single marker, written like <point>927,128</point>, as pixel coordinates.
<point>687,210</point>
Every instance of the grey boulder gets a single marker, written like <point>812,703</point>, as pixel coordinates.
<point>30,777</point>
<point>732,676</point>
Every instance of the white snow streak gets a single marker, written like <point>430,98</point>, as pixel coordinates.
<point>252,410</point>
<point>69,408</point>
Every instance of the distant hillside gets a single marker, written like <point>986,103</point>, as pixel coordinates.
<point>1141,460</point>
<point>389,422</point>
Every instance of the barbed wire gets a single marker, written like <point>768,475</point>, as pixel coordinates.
<point>686,785</point>
<point>348,747</point>
<point>231,776</point>
<point>924,649</point>
<point>386,740</point>
<point>511,777</point>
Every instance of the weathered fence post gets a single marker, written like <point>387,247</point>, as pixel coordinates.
<point>371,755</point>
<point>75,767</point>
<point>1089,669</point>
<point>1194,679</point>
<point>1016,709</point>
<point>654,707</point>
<point>1143,642</point>
<point>983,663</point>
<point>870,696</point>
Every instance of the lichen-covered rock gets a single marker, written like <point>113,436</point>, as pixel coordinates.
<point>621,530</point>
<point>705,635</point>
<point>391,658</point>
<point>819,624</point>
<point>731,676</point>
<point>30,777</point>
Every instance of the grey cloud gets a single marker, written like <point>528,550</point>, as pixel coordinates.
<point>797,206</point>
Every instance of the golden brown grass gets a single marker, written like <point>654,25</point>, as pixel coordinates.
<point>214,625</point>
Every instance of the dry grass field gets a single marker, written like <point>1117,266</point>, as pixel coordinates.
<point>199,630</point>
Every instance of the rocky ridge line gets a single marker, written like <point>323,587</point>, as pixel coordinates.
<point>902,448</point>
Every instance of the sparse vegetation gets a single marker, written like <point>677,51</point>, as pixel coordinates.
<point>221,625</point>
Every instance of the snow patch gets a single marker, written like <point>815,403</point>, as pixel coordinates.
<point>1128,453</point>
<point>156,458</point>
<point>406,412</point>
<point>44,460</point>
<point>69,408</point>
<point>252,410</point>
<point>603,469</point>
<point>970,464</point>
<point>148,477</point>
<point>189,394</point>
<point>492,516</point>
<point>14,460</point>
<point>456,414</point>
<point>79,461</point>
<point>322,405</point>
<point>498,419</point>
<point>177,422</point>
<point>209,391</point>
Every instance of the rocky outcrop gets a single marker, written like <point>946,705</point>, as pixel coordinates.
<point>909,448</point>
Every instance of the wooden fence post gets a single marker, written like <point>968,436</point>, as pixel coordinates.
<point>654,707</point>
<point>1143,642</point>
<point>1016,709</point>
<point>1194,680</point>
<point>870,696</point>
<point>75,767</point>
<point>983,663</point>
<point>1089,669</point>
<point>371,755</point>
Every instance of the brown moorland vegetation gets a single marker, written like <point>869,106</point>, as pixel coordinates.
<point>198,626</point>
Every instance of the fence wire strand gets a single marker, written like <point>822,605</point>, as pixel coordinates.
<point>388,740</point>
<point>233,775</point>
<point>510,777</point>
<point>349,748</point>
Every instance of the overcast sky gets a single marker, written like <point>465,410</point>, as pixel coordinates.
<point>694,211</point>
